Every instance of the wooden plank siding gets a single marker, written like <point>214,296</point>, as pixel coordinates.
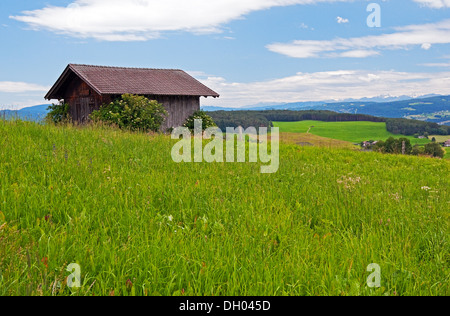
<point>179,108</point>
<point>82,100</point>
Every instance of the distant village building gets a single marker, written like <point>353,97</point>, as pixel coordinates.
<point>447,143</point>
<point>367,144</point>
<point>86,88</point>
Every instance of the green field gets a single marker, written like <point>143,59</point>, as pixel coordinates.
<point>440,138</point>
<point>139,224</point>
<point>355,132</point>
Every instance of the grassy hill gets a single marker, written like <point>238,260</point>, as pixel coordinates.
<point>355,132</point>
<point>139,224</point>
<point>307,139</point>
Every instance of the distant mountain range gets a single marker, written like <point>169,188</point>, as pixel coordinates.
<point>33,113</point>
<point>431,108</point>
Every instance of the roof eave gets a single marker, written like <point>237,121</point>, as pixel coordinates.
<point>51,94</point>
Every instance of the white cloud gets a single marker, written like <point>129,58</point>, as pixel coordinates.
<point>438,4</point>
<point>424,35</point>
<point>358,53</point>
<point>19,87</point>
<point>341,20</point>
<point>140,20</point>
<point>440,65</point>
<point>329,85</point>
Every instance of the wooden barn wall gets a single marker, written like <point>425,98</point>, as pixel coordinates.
<point>81,99</point>
<point>179,108</point>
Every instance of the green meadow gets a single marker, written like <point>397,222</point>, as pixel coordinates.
<point>137,223</point>
<point>355,132</point>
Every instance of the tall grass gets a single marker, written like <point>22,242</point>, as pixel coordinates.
<point>139,224</point>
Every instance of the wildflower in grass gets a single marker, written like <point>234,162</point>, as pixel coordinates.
<point>170,218</point>
<point>396,196</point>
<point>129,285</point>
<point>426,188</point>
<point>349,182</point>
<point>45,262</point>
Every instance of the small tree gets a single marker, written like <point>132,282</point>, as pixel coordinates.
<point>207,120</point>
<point>58,113</point>
<point>380,146</point>
<point>132,112</point>
<point>418,150</point>
<point>435,150</point>
<point>407,145</point>
<point>394,146</point>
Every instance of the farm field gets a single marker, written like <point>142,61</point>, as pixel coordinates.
<point>355,132</point>
<point>139,224</point>
<point>305,139</point>
<point>440,138</point>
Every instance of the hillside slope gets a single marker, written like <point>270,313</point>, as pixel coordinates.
<point>355,132</point>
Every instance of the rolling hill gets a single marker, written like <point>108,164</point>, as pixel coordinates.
<point>432,109</point>
<point>355,132</point>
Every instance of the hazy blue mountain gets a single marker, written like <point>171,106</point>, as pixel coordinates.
<point>33,113</point>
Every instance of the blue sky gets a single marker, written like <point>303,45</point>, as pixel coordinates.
<point>249,51</point>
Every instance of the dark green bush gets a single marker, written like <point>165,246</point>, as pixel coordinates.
<point>394,146</point>
<point>132,112</point>
<point>58,113</point>
<point>207,120</point>
<point>435,150</point>
<point>418,150</point>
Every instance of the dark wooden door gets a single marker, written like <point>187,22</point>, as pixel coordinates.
<point>84,109</point>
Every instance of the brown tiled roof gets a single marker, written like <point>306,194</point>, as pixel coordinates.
<point>142,81</point>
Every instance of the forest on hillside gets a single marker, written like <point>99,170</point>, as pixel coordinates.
<point>225,119</point>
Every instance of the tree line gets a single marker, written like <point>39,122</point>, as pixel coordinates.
<point>403,146</point>
<point>414,127</point>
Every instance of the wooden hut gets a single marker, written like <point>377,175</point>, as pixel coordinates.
<point>86,88</point>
